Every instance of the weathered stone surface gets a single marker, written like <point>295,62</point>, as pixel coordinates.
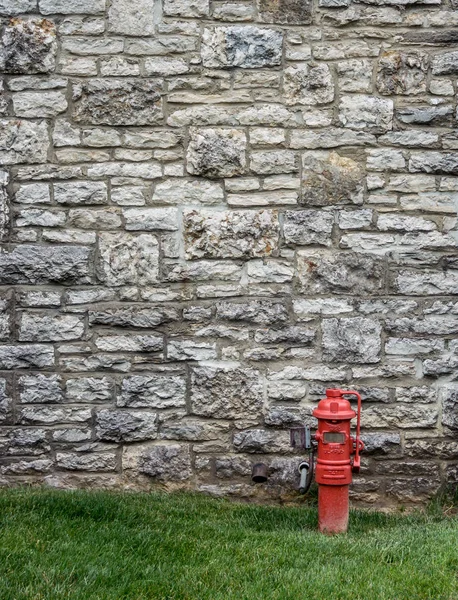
<point>352,340</point>
<point>262,441</point>
<point>131,17</point>
<point>117,102</point>
<point>216,152</point>
<point>126,259</point>
<point>45,264</point>
<point>26,356</point>
<point>366,112</point>
<point>445,64</point>
<point>261,312</point>
<point>402,73</point>
<point>186,8</point>
<point>152,391</point>
<point>35,327</point>
<point>230,234</point>
<point>5,401</point>
<point>28,46</point>
<point>100,461</point>
<point>307,227</point>
<point>309,85</point>
<point>130,343</point>
<point>125,426</point>
<point>324,272</point>
<point>167,462</point>
<point>81,192</point>
<point>133,317</point>
<point>41,389</point>
<point>226,392</point>
<point>89,390</point>
<point>448,396</point>
<point>23,142</point>
<point>177,191</point>
<point>246,47</point>
<point>291,12</point>
<point>330,178</point>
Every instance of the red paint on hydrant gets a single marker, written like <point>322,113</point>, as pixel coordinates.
<point>335,463</point>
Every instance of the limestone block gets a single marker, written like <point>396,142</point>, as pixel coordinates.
<point>183,191</point>
<point>130,343</point>
<point>187,8</point>
<point>330,178</point>
<point>226,392</point>
<point>117,102</point>
<point>307,227</point>
<point>88,390</point>
<point>153,391</point>
<point>246,47</point>
<point>230,234</point>
<point>131,17</point>
<point>402,73</point>
<point>445,64</point>
<point>127,259</point>
<point>30,264</point>
<point>23,141</point>
<point>374,115</point>
<point>355,75</point>
<point>135,317</point>
<point>291,12</point>
<point>81,192</point>
<point>308,84</point>
<point>151,219</point>
<point>78,7</point>
<point>262,441</point>
<point>126,426</point>
<point>352,340</point>
<point>35,327</point>
<point>28,46</point>
<point>94,461</point>
<point>166,462</point>
<point>216,153</point>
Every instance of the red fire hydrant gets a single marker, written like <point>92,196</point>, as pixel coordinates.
<point>334,463</point>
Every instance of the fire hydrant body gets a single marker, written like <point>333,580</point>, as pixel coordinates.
<point>335,464</point>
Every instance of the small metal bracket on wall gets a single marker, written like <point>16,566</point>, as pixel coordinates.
<point>300,437</point>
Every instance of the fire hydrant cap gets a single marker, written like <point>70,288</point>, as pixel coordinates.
<point>334,407</point>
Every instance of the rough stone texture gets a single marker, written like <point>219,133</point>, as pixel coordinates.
<point>329,179</point>
<point>352,340</point>
<point>230,234</point>
<point>216,153</point>
<point>309,85</point>
<point>117,102</point>
<point>210,212</point>
<point>245,47</point>
<point>225,392</point>
<point>28,46</point>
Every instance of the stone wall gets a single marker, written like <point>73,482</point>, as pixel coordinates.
<point>211,211</point>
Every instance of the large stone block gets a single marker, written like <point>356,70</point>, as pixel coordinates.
<point>225,392</point>
<point>131,17</point>
<point>329,179</point>
<point>26,356</point>
<point>117,102</point>
<point>402,73</point>
<point>216,152</point>
<point>230,234</point>
<point>166,462</point>
<point>23,142</point>
<point>374,115</point>
<point>30,264</point>
<point>309,85</point>
<point>351,340</point>
<point>127,259</point>
<point>28,46</point>
<point>304,227</point>
<point>288,12</point>
<point>36,327</point>
<point>153,391</point>
<point>448,396</point>
<point>125,426</point>
<point>325,272</point>
<point>40,389</point>
<point>246,47</point>
<point>133,316</point>
<point>262,441</point>
<point>89,390</point>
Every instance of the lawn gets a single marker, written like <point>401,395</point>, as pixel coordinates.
<point>91,546</point>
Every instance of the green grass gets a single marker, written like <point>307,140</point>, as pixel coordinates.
<point>93,546</point>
